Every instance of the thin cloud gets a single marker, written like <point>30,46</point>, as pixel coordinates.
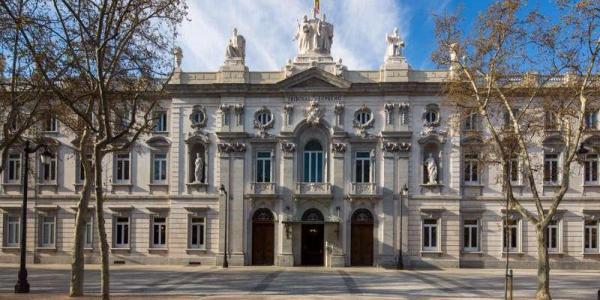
<point>269,27</point>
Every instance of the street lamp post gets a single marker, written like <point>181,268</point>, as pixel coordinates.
<point>22,285</point>
<point>225,263</point>
<point>403,193</point>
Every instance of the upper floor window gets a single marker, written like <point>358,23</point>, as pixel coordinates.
<point>363,166</point>
<point>514,170</point>
<point>471,174</point>
<point>159,167</point>
<point>160,121</point>
<point>363,117</point>
<point>591,120</point>
<point>263,166</point>
<point>508,123</point>
<point>48,170</point>
<point>51,124</point>
<point>13,174</point>
<point>471,235</point>
<point>590,236</point>
<point>122,167</point>
<point>470,122</point>
<point>198,117</point>
<point>431,116</point>
<point>550,120</point>
<point>263,117</point>
<point>313,162</point>
<point>81,171</point>
<point>551,168</point>
<point>590,168</point>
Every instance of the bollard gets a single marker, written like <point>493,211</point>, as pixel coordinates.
<point>509,285</point>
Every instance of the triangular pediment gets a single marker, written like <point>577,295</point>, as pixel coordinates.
<point>314,78</point>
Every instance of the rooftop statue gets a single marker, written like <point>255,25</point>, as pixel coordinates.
<point>236,49</point>
<point>395,45</point>
<point>314,36</point>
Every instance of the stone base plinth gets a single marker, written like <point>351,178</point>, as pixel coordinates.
<point>285,260</point>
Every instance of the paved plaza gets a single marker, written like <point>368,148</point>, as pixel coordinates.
<point>184,282</point>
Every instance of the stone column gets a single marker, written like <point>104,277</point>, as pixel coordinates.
<point>338,253</point>
<point>387,251</point>
<point>286,257</point>
<point>403,175</point>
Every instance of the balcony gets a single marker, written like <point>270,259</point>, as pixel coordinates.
<point>313,189</point>
<point>363,189</point>
<point>262,188</point>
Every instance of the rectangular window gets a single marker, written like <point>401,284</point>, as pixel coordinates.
<point>51,124</point>
<point>197,232</point>
<point>591,120</point>
<point>159,232</point>
<point>313,166</point>
<point>590,167</point>
<point>48,170</point>
<point>123,167</point>
<point>550,121</point>
<point>88,237</point>
<point>430,232</point>
<point>471,121</point>
<point>263,166</point>
<point>507,121</point>
<point>81,174</point>
<point>121,234</point>
<point>363,167</point>
<point>471,235</point>
<point>513,236</point>
<point>470,169</point>
<point>14,168</point>
<point>552,236</point>
<point>159,167</point>
<point>590,238</point>
<point>551,168</point>
<point>13,231</point>
<point>160,119</point>
<point>47,234</point>
<point>514,170</point>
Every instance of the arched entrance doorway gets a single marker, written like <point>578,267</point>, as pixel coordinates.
<point>263,233</point>
<point>312,238</point>
<point>361,248</point>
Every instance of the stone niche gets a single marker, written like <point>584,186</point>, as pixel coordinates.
<point>197,154</point>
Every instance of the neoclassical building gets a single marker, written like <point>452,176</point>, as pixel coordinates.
<point>322,166</point>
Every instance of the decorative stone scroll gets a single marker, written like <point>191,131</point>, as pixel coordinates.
<point>224,111</point>
<point>238,109</point>
<point>338,147</point>
<point>389,110</point>
<point>288,111</point>
<point>403,109</point>
<point>231,147</point>
<point>338,109</point>
<point>396,147</point>
<point>288,147</point>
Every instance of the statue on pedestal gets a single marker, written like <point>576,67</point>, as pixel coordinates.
<point>178,54</point>
<point>236,48</point>
<point>395,45</point>
<point>314,36</point>
<point>198,170</point>
<point>432,169</point>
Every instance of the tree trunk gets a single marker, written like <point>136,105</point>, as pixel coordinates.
<point>543,271</point>
<point>78,263</point>
<point>104,255</point>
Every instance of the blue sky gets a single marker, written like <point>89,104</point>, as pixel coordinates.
<point>360,29</point>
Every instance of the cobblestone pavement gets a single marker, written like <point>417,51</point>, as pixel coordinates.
<point>192,282</point>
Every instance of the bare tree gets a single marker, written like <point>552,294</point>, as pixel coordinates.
<point>531,79</point>
<point>105,66</point>
<point>22,90</point>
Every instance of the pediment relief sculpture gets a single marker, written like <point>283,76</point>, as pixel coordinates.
<point>396,147</point>
<point>231,147</point>
<point>288,147</point>
<point>338,147</point>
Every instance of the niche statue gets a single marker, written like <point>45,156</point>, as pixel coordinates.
<point>199,166</point>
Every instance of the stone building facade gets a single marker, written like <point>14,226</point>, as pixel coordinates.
<point>322,166</point>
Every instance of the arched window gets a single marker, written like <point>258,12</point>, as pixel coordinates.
<point>313,162</point>
<point>312,215</point>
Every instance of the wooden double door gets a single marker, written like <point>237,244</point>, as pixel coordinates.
<point>263,238</point>
<point>313,239</point>
<point>361,244</point>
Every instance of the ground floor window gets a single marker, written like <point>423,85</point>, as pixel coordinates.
<point>159,232</point>
<point>471,235</point>
<point>88,234</point>
<point>552,236</point>
<point>510,236</point>
<point>590,236</point>
<point>121,232</point>
<point>197,233</point>
<point>430,235</point>
<point>12,231</point>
